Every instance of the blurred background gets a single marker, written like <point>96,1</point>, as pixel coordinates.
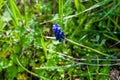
<point>29,51</point>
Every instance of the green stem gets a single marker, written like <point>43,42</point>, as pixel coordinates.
<point>32,73</point>
<point>26,69</point>
<point>61,11</point>
<point>81,45</point>
<point>61,19</point>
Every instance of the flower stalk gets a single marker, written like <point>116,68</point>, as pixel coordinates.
<point>81,45</point>
<point>60,35</point>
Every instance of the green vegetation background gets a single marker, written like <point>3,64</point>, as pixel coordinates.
<point>28,50</point>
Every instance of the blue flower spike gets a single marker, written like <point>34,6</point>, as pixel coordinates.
<point>58,33</point>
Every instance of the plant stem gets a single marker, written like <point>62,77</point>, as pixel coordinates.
<point>32,73</point>
<point>26,69</point>
<point>81,45</point>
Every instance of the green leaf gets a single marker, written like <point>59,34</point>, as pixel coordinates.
<point>5,63</point>
<point>41,72</point>
<point>88,25</point>
<point>20,69</point>
<point>16,48</point>
<point>51,62</point>
<point>1,3</point>
<point>11,73</point>
<point>5,47</point>
<point>37,42</point>
<point>13,58</point>
<point>43,46</point>
<point>76,2</point>
<point>22,30</point>
<point>26,41</point>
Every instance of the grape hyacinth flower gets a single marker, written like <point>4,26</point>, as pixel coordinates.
<point>58,33</point>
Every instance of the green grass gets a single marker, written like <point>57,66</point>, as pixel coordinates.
<point>28,49</point>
